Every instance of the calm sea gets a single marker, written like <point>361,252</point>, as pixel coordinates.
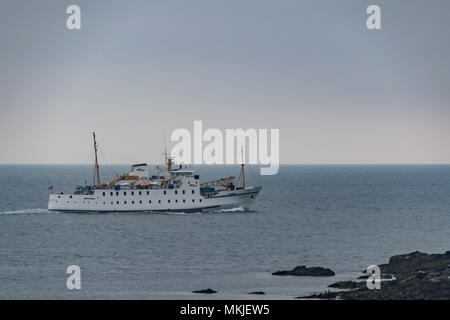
<point>341,217</point>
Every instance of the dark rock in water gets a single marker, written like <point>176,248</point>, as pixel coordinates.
<point>257,292</point>
<point>417,276</point>
<point>207,291</point>
<point>304,271</point>
<point>348,285</point>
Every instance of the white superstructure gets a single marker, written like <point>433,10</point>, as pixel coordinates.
<point>171,190</point>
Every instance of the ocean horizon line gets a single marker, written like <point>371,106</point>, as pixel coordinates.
<point>236,164</point>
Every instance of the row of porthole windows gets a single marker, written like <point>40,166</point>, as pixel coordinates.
<point>150,201</point>
<point>140,193</point>
<point>140,201</point>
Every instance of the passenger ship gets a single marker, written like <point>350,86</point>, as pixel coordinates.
<point>171,189</point>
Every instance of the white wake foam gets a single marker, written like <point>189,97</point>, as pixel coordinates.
<point>24,211</point>
<point>238,209</point>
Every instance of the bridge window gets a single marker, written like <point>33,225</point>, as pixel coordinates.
<point>111,193</point>
<point>159,201</point>
<point>104,194</point>
<point>132,193</point>
<point>192,191</point>
<point>149,201</point>
<point>140,193</point>
<point>165,192</point>
<point>148,192</point>
<point>124,193</point>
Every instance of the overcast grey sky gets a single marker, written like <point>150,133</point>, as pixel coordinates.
<point>338,92</point>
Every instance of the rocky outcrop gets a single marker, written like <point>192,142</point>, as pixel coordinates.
<point>304,271</point>
<point>416,276</point>
<point>407,264</point>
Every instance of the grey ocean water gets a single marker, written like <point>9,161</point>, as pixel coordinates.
<point>341,217</point>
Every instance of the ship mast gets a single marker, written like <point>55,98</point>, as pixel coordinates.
<point>97,171</point>
<point>241,179</point>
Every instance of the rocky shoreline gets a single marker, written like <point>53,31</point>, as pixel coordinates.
<point>412,276</point>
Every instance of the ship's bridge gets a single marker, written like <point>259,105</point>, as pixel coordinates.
<point>140,170</point>
<point>185,173</point>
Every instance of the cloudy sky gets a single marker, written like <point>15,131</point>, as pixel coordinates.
<point>137,70</point>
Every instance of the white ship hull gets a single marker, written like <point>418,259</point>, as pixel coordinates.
<point>172,189</point>
<point>187,199</point>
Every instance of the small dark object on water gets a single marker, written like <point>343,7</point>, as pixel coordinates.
<point>257,292</point>
<point>208,291</point>
<point>304,271</point>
